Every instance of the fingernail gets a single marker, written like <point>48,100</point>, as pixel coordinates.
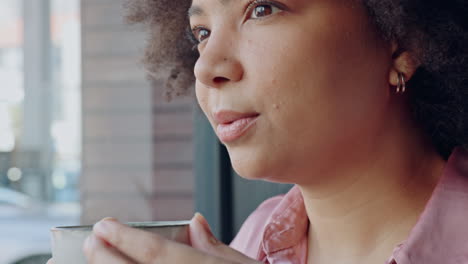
<point>110,219</point>
<point>213,240</point>
<point>103,227</point>
<point>196,215</point>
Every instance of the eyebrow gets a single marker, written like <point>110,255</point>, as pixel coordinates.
<point>195,10</point>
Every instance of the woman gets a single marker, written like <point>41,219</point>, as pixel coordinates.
<point>361,103</point>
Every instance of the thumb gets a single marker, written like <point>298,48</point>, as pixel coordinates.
<point>203,239</point>
<point>200,233</point>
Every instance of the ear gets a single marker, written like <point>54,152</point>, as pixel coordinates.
<point>404,61</point>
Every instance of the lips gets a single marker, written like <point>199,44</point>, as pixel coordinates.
<point>232,125</point>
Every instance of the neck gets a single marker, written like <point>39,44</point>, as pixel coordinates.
<point>368,206</point>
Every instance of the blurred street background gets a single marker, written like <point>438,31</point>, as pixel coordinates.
<point>40,123</point>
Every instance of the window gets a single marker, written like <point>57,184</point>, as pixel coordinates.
<point>40,122</point>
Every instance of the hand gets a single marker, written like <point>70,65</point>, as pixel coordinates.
<point>113,242</point>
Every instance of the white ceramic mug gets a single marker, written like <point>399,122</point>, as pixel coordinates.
<point>67,241</point>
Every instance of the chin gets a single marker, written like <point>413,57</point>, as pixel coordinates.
<point>247,166</point>
<point>251,168</point>
<point>249,173</point>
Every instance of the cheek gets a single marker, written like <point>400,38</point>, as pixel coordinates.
<point>201,93</point>
<point>321,68</point>
<point>321,88</point>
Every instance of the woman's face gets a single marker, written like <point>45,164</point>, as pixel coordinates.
<point>308,79</point>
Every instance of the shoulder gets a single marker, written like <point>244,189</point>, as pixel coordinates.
<point>441,233</point>
<point>459,161</point>
<point>249,238</point>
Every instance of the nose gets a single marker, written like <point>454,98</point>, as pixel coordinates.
<point>218,64</point>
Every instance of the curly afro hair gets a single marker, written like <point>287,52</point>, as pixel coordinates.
<point>169,53</point>
<point>435,31</point>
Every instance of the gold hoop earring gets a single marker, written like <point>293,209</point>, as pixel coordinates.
<point>401,86</point>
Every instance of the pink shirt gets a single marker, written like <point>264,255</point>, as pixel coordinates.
<point>276,232</point>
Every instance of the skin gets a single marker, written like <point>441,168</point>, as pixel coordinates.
<point>329,121</point>
<point>323,83</point>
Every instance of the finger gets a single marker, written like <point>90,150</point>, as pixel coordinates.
<point>97,251</point>
<point>139,245</point>
<point>145,247</point>
<point>203,239</point>
<point>50,261</point>
<point>199,229</point>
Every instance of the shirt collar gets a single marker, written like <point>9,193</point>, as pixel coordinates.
<point>441,233</point>
<point>439,236</point>
<point>287,224</point>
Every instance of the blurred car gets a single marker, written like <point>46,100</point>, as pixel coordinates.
<point>25,225</point>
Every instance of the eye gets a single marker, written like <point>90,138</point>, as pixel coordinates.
<point>256,10</point>
<point>200,33</point>
<point>261,8</point>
